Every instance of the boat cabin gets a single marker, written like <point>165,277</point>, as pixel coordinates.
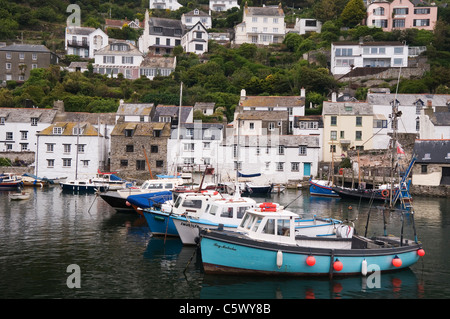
<point>191,203</point>
<point>228,210</point>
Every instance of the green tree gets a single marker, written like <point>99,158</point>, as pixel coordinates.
<point>353,13</point>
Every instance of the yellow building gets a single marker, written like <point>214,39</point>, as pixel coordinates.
<point>346,125</point>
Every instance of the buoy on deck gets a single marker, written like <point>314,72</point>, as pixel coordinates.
<point>397,262</point>
<point>364,267</point>
<point>279,259</point>
<point>310,261</point>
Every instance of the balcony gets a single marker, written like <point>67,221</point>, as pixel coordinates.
<point>78,44</point>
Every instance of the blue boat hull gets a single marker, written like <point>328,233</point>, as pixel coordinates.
<point>160,223</point>
<point>147,200</point>
<point>321,190</point>
<point>224,256</point>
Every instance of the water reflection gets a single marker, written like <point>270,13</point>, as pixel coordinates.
<point>402,284</point>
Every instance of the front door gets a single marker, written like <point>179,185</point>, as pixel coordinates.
<point>306,169</point>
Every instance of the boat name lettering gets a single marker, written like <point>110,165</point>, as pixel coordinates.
<point>224,246</point>
<point>189,225</point>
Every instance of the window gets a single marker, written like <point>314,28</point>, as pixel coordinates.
<point>66,148</point>
<point>189,132</point>
<point>417,124</point>
<point>378,11</point>
<point>275,20</point>
<point>427,156</point>
<point>129,148</point>
<point>333,135</point>
<point>424,169</point>
<point>77,131</point>
<point>154,149</point>
<point>127,60</point>
<point>302,150</point>
<point>358,135</point>
<point>8,55</point>
<point>358,121</point>
<point>206,145</point>
<point>252,126</point>
<point>188,147</point>
<point>9,135</point>
<point>8,66</point>
<point>254,19</point>
<point>281,150</point>
<point>140,165</point>
<point>50,163</point>
<point>398,50</point>
<point>67,162</point>
<point>24,146</point>
<point>422,11</point>
<point>21,55</point>
<point>81,148</point>
<point>199,47</point>
<point>421,22</point>
<point>24,135</point>
<point>108,59</point>
<point>380,23</point>
<point>157,29</point>
<point>128,133</point>
<point>342,134</point>
<point>34,56</point>
<point>398,62</point>
<point>399,23</point>
<point>2,121</point>
<point>123,163</point>
<point>57,130</point>
<point>344,52</point>
<point>280,166</point>
<point>50,147</point>
<point>333,121</point>
<point>400,11</point>
<point>271,126</point>
<point>295,166</point>
<point>332,148</point>
<point>159,163</point>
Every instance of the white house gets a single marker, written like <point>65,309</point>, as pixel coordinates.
<point>70,149</point>
<point>303,26</point>
<point>435,124</point>
<point>118,57</point>
<point>195,40</point>
<point>189,19</point>
<point>291,106</point>
<point>160,35</point>
<point>18,127</point>
<point>309,125</point>
<point>134,112</point>
<point>412,108</point>
<point>84,41</point>
<point>261,25</point>
<point>165,4</point>
<point>222,5</point>
<point>154,65</point>
<point>346,56</point>
<point>196,146</point>
<point>278,158</point>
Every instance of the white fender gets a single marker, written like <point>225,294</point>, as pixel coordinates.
<point>279,259</point>
<point>364,267</point>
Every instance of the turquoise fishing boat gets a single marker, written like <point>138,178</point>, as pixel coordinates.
<point>267,243</point>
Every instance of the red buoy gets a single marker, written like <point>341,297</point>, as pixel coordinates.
<point>421,252</point>
<point>337,265</point>
<point>310,261</point>
<point>397,262</point>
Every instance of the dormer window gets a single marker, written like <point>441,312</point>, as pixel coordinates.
<point>427,156</point>
<point>77,131</point>
<point>2,121</point>
<point>128,133</point>
<point>57,130</point>
<point>34,121</point>
<point>119,47</point>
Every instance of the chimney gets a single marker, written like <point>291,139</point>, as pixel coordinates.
<point>333,97</point>
<point>429,109</point>
<point>302,92</point>
<point>243,93</point>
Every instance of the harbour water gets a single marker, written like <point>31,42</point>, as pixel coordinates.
<point>118,257</point>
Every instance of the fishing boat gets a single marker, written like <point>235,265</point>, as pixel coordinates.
<point>112,180</point>
<point>321,188</point>
<point>86,186</point>
<point>9,181</point>
<point>147,200</point>
<point>34,181</point>
<point>118,198</point>
<point>160,218</point>
<point>250,189</point>
<point>19,196</point>
<point>266,243</point>
<point>228,213</point>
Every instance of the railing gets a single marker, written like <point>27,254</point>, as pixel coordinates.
<point>74,43</point>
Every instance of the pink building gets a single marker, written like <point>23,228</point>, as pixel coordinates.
<point>401,14</point>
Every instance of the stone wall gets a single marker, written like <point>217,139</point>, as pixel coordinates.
<point>430,191</point>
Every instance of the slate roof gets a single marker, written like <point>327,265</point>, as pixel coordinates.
<point>172,110</point>
<point>168,26</point>
<point>432,151</point>
<point>26,48</point>
<point>88,129</point>
<point>262,115</point>
<point>141,129</point>
<point>134,109</point>
<point>408,99</point>
<point>80,30</point>
<point>265,11</point>
<point>158,62</point>
<point>24,115</point>
<point>311,141</point>
<point>339,108</point>
<point>272,101</point>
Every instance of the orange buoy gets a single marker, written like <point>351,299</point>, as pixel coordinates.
<point>337,265</point>
<point>421,252</point>
<point>397,262</point>
<point>310,261</point>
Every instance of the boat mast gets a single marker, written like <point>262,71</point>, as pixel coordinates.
<point>76,156</point>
